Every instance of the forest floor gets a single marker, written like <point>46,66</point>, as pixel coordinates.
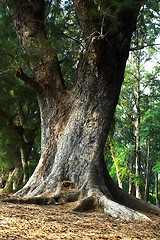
<point>30,221</point>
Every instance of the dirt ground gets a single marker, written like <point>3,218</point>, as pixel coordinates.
<point>29,221</point>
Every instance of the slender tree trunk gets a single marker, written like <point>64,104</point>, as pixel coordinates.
<point>24,159</point>
<point>75,124</point>
<point>120,182</point>
<point>157,190</point>
<point>131,187</point>
<point>148,171</point>
<point>27,136</point>
<point>137,134</point>
<point>14,181</point>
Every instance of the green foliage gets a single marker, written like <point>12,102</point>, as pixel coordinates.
<point>64,37</point>
<point>156,168</point>
<point>151,123</point>
<point>16,99</point>
<point>124,134</point>
<point>148,27</point>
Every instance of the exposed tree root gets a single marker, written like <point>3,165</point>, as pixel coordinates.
<point>119,211</point>
<point>117,204</point>
<point>93,200</point>
<point>85,204</point>
<point>72,197</point>
<point>110,207</point>
<point>59,195</point>
<point>120,196</point>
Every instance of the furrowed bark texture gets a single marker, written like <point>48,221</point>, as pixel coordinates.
<point>28,17</point>
<point>75,124</point>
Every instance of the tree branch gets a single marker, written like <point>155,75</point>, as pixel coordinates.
<point>30,28</point>
<point>6,71</point>
<point>87,13</point>
<point>136,48</point>
<point>29,81</point>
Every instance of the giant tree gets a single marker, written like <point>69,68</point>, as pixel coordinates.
<point>75,123</point>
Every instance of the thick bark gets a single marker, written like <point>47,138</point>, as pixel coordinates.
<point>75,124</point>
<point>47,79</point>
<point>77,138</point>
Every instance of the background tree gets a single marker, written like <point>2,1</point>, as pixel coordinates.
<point>146,82</point>
<point>19,127</point>
<point>126,115</point>
<point>19,114</point>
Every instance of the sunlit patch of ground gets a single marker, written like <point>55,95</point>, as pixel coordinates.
<point>24,221</point>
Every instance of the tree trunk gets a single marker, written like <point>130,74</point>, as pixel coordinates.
<point>157,190</point>
<point>120,182</point>
<point>75,124</point>
<point>24,160</point>
<point>148,171</point>
<point>131,188</point>
<point>27,135</point>
<point>137,133</point>
<point>14,181</point>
